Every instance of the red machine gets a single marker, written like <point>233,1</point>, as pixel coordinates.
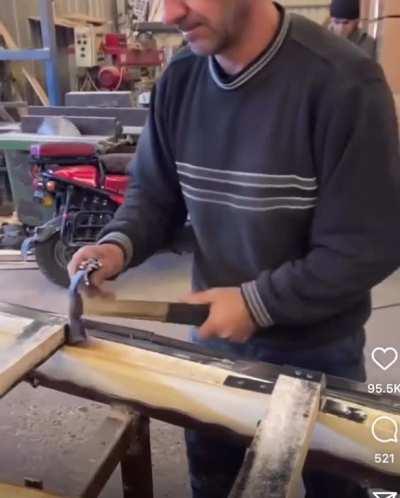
<point>83,190</point>
<point>124,59</point>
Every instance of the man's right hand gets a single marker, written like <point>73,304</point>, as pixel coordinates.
<point>111,257</point>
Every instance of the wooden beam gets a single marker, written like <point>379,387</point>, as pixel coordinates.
<point>37,87</point>
<point>10,255</point>
<point>18,265</point>
<point>14,491</point>
<point>8,39</point>
<point>24,344</point>
<point>192,389</point>
<point>181,391</point>
<point>275,459</point>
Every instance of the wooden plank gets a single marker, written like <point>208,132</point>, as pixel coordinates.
<point>10,255</point>
<point>8,39</point>
<point>171,387</point>
<point>25,342</point>
<point>37,87</point>
<point>18,265</point>
<point>14,491</point>
<point>170,384</point>
<point>174,388</point>
<point>275,459</point>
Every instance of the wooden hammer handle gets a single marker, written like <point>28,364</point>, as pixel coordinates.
<point>179,313</point>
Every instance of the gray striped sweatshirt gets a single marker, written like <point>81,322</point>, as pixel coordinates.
<point>290,174</point>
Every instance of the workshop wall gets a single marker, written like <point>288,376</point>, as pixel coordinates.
<point>17,13</point>
<point>317,10</point>
<point>16,17</point>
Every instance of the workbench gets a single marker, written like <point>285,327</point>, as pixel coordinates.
<point>287,415</point>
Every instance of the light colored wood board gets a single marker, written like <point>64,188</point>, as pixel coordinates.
<point>177,385</point>
<point>36,86</point>
<point>275,459</point>
<point>24,344</point>
<point>18,265</point>
<point>107,306</point>
<point>10,255</point>
<point>7,37</point>
<point>14,491</point>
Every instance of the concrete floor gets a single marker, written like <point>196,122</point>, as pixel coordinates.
<point>42,431</point>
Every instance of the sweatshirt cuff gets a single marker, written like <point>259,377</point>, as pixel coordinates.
<point>256,305</point>
<point>122,241</point>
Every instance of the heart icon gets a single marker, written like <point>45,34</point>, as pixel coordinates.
<point>385,357</point>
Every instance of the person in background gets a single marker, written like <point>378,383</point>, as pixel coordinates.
<point>345,22</point>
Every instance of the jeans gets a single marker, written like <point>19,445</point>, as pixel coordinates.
<point>215,461</point>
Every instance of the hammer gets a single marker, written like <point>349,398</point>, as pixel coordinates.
<point>80,304</point>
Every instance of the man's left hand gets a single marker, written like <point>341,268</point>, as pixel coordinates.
<point>229,318</point>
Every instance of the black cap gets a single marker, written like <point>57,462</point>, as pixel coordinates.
<point>345,9</point>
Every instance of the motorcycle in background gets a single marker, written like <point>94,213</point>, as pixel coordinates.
<point>84,189</point>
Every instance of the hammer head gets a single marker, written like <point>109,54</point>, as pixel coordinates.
<point>76,330</point>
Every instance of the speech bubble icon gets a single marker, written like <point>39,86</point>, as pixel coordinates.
<point>385,357</point>
<point>385,430</point>
<point>384,494</point>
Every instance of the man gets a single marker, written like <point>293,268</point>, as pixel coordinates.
<point>345,20</point>
<point>280,141</point>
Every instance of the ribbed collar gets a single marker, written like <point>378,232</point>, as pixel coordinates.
<point>258,64</point>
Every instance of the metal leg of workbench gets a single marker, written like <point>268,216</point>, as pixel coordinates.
<point>106,448</point>
<point>136,468</point>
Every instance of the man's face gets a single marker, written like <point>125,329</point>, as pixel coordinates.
<point>343,27</point>
<point>209,26</point>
